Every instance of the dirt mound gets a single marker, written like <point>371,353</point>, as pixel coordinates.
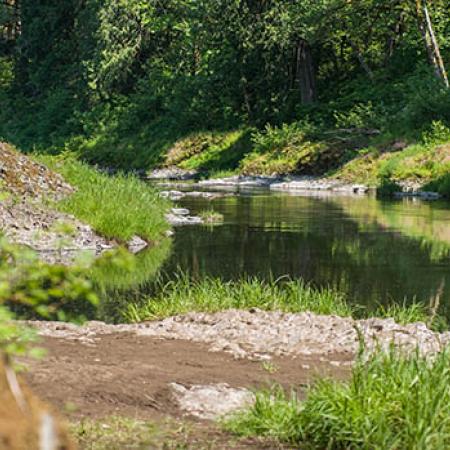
<point>24,177</point>
<point>27,423</point>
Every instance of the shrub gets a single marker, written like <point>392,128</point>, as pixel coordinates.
<point>387,187</point>
<point>34,289</point>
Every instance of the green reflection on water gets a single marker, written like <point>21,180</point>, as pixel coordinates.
<point>377,251</point>
<point>117,282</point>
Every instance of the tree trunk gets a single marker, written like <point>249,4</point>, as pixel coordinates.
<point>361,59</point>
<point>434,43</point>
<point>394,38</point>
<point>430,41</point>
<point>305,73</point>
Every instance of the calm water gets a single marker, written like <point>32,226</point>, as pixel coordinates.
<point>377,251</point>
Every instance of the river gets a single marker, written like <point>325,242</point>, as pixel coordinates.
<point>376,251</point>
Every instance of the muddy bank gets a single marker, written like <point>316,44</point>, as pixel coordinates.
<point>199,366</point>
<point>175,367</point>
<point>148,377</point>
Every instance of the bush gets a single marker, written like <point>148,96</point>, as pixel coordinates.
<point>387,187</point>
<point>285,149</point>
<point>34,289</point>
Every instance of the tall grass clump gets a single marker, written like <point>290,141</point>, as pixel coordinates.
<point>274,414</point>
<point>404,313</point>
<point>118,207</point>
<point>392,401</point>
<point>183,295</point>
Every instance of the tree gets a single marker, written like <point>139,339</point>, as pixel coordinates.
<point>430,41</point>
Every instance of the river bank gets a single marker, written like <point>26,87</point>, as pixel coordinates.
<point>201,348</point>
<point>295,184</point>
<point>188,371</point>
<point>63,208</point>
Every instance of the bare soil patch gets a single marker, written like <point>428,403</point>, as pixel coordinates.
<point>124,374</point>
<point>98,371</point>
<point>127,374</point>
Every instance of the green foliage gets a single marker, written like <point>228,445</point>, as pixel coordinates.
<point>123,82</point>
<point>211,295</point>
<point>440,185</point>
<point>438,133</point>
<point>118,207</point>
<point>387,187</point>
<point>361,115</point>
<point>273,415</point>
<point>391,401</point>
<point>32,288</point>
<point>281,150</point>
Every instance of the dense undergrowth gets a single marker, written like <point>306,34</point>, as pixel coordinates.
<point>391,401</point>
<point>135,85</point>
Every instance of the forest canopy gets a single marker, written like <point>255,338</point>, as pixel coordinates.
<point>78,67</point>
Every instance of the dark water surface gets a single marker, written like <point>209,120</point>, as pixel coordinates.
<point>376,251</point>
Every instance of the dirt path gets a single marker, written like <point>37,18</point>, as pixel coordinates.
<point>130,375</point>
<point>197,366</point>
<point>124,374</point>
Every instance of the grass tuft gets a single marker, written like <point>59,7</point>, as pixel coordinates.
<point>117,207</point>
<point>392,401</point>
<point>184,295</point>
<point>273,415</point>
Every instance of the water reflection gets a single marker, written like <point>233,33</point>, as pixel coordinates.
<point>376,251</point>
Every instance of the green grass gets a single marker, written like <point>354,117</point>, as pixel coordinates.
<point>393,401</point>
<point>183,295</point>
<point>211,295</point>
<point>117,207</point>
<point>426,162</point>
<point>273,415</point>
<point>210,153</point>
<point>119,433</point>
<point>404,313</point>
<point>114,433</point>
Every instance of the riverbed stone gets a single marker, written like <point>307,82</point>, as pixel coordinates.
<point>172,173</point>
<point>246,334</point>
<point>213,401</point>
<point>136,244</point>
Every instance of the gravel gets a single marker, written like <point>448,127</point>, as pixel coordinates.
<point>260,335</point>
<point>25,217</point>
